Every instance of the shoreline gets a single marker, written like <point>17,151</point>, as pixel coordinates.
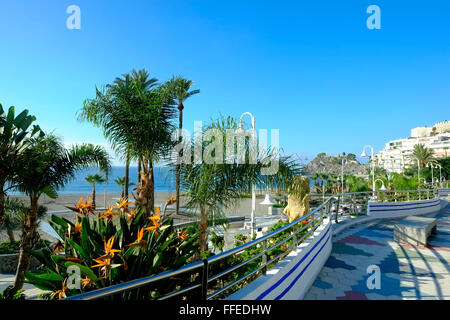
<point>57,206</point>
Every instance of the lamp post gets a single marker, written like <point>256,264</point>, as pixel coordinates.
<point>440,172</point>
<point>241,129</point>
<point>429,164</point>
<point>418,172</point>
<point>364,154</point>
<point>344,161</point>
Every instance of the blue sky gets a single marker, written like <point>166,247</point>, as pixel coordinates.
<point>309,68</point>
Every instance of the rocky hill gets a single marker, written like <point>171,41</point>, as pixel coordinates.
<point>332,165</point>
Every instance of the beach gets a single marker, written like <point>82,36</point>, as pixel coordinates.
<point>58,207</point>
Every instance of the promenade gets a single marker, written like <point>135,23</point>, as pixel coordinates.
<point>407,272</point>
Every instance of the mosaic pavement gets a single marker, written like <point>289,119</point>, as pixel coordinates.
<point>406,271</point>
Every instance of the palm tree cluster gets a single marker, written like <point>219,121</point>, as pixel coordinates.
<point>135,113</point>
<point>36,163</point>
<point>422,155</point>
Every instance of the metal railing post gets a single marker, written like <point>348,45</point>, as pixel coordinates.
<point>321,214</point>
<point>264,257</point>
<point>204,280</point>
<point>337,210</point>
<point>294,238</point>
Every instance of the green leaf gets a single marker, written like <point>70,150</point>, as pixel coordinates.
<point>79,249</point>
<point>157,260</point>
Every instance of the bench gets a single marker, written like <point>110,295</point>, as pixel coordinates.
<point>414,230</point>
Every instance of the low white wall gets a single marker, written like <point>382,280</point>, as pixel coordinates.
<point>403,209</point>
<point>444,192</point>
<point>291,278</point>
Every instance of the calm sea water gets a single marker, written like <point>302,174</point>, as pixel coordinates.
<point>164,181</point>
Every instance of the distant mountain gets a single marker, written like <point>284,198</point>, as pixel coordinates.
<point>324,163</point>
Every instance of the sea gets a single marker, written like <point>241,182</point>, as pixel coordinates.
<point>164,181</point>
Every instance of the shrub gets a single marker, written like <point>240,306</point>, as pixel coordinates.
<point>111,247</point>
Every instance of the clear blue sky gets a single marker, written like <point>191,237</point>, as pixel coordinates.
<point>309,68</point>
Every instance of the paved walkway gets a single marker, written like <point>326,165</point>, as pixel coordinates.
<point>407,272</point>
<point>30,291</point>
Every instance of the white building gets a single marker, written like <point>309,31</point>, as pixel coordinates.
<point>396,154</point>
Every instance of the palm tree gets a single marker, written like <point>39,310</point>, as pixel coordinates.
<point>135,115</point>
<point>48,166</point>
<point>356,184</point>
<point>179,89</point>
<point>94,179</point>
<point>15,132</point>
<point>213,187</point>
<point>120,181</point>
<point>422,154</point>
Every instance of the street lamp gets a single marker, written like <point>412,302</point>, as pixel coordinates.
<point>364,154</point>
<point>440,172</point>
<point>383,188</point>
<point>429,164</point>
<point>241,130</point>
<point>344,161</point>
<point>418,171</point>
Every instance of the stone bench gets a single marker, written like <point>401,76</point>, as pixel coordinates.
<point>414,230</point>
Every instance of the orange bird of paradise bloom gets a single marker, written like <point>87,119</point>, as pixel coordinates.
<point>77,228</point>
<point>131,215</point>
<point>124,203</point>
<point>108,214</point>
<point>87,282</point>
<point>171,200</point>
<point>155,220</point>
<point>109,251</point>
<point>104,264</point>
<point>83,208</point>
<point>139,242</point>
<point>61,293</point>
<point>182,236</point>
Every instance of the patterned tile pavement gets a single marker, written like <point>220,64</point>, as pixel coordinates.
<point>406,271</point>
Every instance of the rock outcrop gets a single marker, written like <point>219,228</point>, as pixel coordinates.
<point>332,165</point>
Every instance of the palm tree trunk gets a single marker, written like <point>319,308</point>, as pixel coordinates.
<point>10,233</point>
<point>146,189</point>
<point>28,239</point>
<point>203,229</point>
<point>2,203</point>
<point>180,126</point>
<point>139,168</point>
<point>127,176</point>
<point>93,196</point>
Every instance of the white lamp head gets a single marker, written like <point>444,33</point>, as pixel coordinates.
<point>364,154</point>
<point>267,200</point>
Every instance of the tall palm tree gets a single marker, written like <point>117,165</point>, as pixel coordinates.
<point>48,166</point>
<point>94,179</point>
<point>135,115</point>
<point>179,89</point>
<point>15,134</point>
<point>422,154</point>
<point>212,187</point>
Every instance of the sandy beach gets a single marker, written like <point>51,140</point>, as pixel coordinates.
<point>58,206</point>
